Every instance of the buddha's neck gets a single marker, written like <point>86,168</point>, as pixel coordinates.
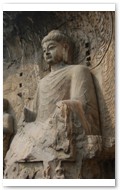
<point>58,66</point>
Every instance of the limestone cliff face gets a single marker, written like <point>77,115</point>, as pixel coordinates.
<point>93,34</point>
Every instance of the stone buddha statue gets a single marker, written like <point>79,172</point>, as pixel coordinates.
<point>64,123</point>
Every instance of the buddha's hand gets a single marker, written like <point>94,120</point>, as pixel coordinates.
<point>62,108</point>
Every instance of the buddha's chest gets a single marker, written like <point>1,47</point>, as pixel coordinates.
<point>55,87</point>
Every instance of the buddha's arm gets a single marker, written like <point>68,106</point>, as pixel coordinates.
<point>83,99</point>
<point>30,114</point>
<point>82,87</point>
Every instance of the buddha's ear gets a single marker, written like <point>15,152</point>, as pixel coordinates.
<point>65,53</point>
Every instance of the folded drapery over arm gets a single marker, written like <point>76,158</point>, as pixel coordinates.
<point>82,87</point>
<point>83,91</point>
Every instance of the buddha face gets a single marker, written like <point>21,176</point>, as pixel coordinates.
<point>53,52</point>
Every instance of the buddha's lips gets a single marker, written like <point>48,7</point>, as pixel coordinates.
<point>48,57</point>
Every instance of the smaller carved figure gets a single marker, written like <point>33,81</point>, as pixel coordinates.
<point>7,127</point>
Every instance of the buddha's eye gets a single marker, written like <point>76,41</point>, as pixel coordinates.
<point>51,47</point>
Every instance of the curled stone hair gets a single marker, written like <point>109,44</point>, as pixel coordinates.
<point>59,36</point>
<point>56,35</point>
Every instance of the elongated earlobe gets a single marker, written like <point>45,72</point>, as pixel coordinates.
<point>65,54</point>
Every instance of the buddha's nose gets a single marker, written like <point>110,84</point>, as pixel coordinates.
<point>47,52</point>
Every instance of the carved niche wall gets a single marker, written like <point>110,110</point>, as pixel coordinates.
<point>93,34</point>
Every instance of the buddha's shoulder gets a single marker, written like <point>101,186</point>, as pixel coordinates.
<point>79,69</point>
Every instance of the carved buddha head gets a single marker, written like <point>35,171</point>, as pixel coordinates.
<point>57,48</point>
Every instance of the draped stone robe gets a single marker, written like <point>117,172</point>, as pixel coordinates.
<point>72,83</point>
<point>57,130</point>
